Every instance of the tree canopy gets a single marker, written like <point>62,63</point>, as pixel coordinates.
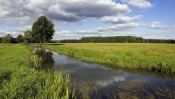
<point>19,38</point>
<point>7,39</point>
<point>42,30</point>
<point>27,37</point>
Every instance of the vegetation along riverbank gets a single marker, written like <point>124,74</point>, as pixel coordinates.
<point>18,79</point>
<point>155,57</point>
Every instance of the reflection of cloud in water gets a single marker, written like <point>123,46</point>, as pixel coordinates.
<point>68,67</point>
<point>59,58</point>
<point>99,76</point>
<point>87,72</point>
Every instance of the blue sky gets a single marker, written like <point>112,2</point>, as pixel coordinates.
<point>74,19</point>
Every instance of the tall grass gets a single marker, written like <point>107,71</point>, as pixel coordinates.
<point>19,80</point>
<point>135,55</point>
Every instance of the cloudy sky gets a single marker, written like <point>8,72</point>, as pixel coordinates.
<point>74,19</point>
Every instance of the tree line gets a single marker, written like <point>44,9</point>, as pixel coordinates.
<point>116,39</point>
<point>27,38</point>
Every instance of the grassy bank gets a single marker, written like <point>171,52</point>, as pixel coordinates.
<point>18,80</point>
<point>156,57</point>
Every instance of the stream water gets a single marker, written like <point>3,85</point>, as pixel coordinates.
<point>110,81</point>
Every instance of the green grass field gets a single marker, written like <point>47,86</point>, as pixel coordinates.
<point>19,81</point>
<point>156,57</point>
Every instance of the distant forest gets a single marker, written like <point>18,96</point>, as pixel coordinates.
<point>110,39</point>
<point>116,39</point>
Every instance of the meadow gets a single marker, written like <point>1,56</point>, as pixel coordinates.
<point>20,76</point>
<point>155,57</point>
<point>19,80</point>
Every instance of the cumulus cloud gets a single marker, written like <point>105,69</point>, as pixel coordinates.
<point>21,29</point>
<point>13,12</point>
<point>108,29</point>
<point>118,27</point>
<point>158,35</point>
<point>142,4</point>
<point>101,31</point>
<point>158,25</point>
<point>151,33</point>
<point>63,32</point>
<point>27,11</point>
<point>89,8</point>
<point>15,31</point>
<point>119,19</point>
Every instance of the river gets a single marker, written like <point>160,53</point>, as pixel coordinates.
<point>111,81</point>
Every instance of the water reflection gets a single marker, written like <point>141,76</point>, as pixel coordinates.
<point>42,59</point>
<point>94,73</point>
<point>110,81</point>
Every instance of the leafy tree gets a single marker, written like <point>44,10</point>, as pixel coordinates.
<point>2,40</point>
<point>27,37</point>
<point>19,38</point>
<point>42,30</point>
<point>8,38</point>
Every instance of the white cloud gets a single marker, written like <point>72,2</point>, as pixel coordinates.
<point>15,31</point>
<point>91,7</point>
<point>142,4</point>
<point>63,32</point>
<point>119,19</point>
<point>108,29</point>
<point>158,25</point>
<point>151,33</point>
<point>101,31</point>
<point>21,29</point>
<point>158,35</point>
<point>77,10</point>
<point>64,35</point>
<point>27,11</point>
<point>118,27</point>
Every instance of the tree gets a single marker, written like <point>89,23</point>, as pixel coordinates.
<point>8,38</point>
<point>2,40</point>
<point>27,37</point>
<point>19,38</point>
<point>42,30</point>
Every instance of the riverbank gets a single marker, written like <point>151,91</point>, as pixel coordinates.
<point>155,57</point>
<point>19,80</point>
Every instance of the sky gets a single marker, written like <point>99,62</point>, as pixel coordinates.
<point>73,19</point>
